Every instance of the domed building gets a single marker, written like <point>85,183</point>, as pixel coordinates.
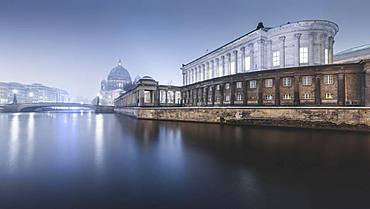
<point>118,81</point>
<point>118,78</point>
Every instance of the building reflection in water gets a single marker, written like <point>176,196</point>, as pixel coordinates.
<point>14,142</point>
<point>99,142</point>
<point>30,137</point>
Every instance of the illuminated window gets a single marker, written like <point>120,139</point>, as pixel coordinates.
<point>276,58</point>
<point>287,81</point>
<point>306,96</point>
<point>306,80</point>
<point>287,96</point>
<point>227,86</point>
<point>147,97</point>
<point>227,98</point>
<point>328,79</point>
<point>328,96</point>
<point>268,83</point>
<point>239,97</point>
<point>253,84</point>
<point>238,85</point>
<point>170,97</point>
<point>247,63</point>
<point>162,95</point>
<point>303,55</point>
<point>268,97</point>
<point>326,56</point>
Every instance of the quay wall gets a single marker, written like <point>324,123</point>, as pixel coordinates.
<point>343,118</point>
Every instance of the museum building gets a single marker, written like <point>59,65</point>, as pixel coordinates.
<point>288,65</point>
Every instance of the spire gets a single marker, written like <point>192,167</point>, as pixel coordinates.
<point>119,62</point>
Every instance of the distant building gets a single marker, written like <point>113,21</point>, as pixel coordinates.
<point>34,93</point>
<point>355,54</point>
<point>118,81</point>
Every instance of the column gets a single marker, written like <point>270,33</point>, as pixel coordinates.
<point>204,72</point>
<point>311,54</point>
<point>330,48</point>
<point>205,93</point>
<point>260,91</point>
<point>183,78</point>
<point>277,90</point>
<point>341,90</point>
<point>213,69</point>
<point>296,91</point>
<point>261,58</point>
<point>282,51</point>
<point>213,94</point>
<point>242,60</point>
<point>236,61</point>
<point>223,65</point>
<point>228,66</point>
<point>317,90</point>
<point>269,54</point>
<point>298,44</point>
<point>208,74</point>
<point>251,55</point>
<point>366,85</point>
<point>232,92</point>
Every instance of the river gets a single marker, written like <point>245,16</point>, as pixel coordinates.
<point>87,160</point>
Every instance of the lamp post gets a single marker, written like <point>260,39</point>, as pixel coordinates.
<point>15,92</point>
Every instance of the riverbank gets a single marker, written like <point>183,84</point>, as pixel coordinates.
<point>338,118</point>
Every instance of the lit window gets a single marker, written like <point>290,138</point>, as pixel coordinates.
<point>162,95</point>
<point>306,96</point>
<point>238,85</point>
<point>276,58</point>
<point>326,56</point>
<point>328,96</point>
<point>239,97</point>
<point>268,83</point>
<point>268,97</point>
<point>303,55</point>
<point>227,98</point>
<point>287,81</point>
<point>287,96</point>
<point>247,63</point>
<point>328,79</point>
<point>233,67</point>
<point>306,80</point>
<point>227,86</point>
<point>253,84</point>
<point>147,97</point>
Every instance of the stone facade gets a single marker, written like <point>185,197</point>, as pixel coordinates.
<point>302,43</point>
<point>345,118</point>
<point>321,85</point>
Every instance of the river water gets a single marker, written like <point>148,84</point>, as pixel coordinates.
<point>87,160</point>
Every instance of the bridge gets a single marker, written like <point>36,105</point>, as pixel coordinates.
<point>39,107</point>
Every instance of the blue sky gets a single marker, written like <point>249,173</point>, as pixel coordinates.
<point>74,44</point>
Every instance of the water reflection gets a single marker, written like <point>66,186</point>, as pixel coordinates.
<point>120,161</point>
<point>14,142</point>
<point>30,137</point>
<point>99,142</point>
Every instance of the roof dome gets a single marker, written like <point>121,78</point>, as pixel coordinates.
<point>119,73</point>
<point>146,78</point>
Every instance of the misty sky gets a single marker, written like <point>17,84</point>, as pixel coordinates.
<point>73,44</point>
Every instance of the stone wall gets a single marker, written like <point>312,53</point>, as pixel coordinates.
<point>344,118</point>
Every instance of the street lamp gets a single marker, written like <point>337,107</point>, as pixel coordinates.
<point>15,92</point>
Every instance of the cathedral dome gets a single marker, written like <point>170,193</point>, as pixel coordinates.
<point>119,73</point>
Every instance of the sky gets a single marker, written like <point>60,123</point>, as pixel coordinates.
<point>73,44</point>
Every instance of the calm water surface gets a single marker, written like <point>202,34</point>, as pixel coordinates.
<point>64,160</point>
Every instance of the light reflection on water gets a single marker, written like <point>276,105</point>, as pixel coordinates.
<point>87,160</point>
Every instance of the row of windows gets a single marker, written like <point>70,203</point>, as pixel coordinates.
<point>303,56</point>
<point>239,97</point>
<point>287,81</point>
